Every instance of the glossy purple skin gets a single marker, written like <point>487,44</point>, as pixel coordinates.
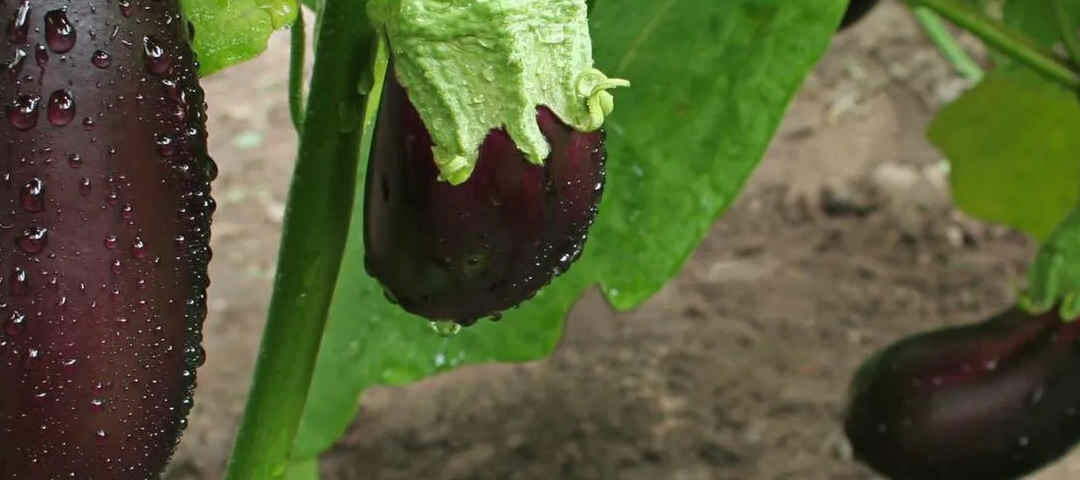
<point>468,251</point>
<point>995,400</point>
<point>104,239</point>
<point>856,10</point>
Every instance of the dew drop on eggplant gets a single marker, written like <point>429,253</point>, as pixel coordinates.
<point>59,33</point>
<point>33,239</point>
<point>32,196</point>
<point>61,109</point>
<point>101,59</point>
<point>22,113</point>
<point>19,23</point>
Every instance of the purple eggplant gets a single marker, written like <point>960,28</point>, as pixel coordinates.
<point>994,400</point>
<point>464,252</point>
<point>104,237</point>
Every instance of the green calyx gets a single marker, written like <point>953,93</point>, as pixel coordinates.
<point>1055,275</point>
<point>471,66</point>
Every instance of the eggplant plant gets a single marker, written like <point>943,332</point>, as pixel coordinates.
<point>458,161</point>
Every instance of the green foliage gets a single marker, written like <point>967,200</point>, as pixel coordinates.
<point>1055,275</point>
<point>305,470</point>
<point>1037,18</point>
<point>682,141</point>
<point>1013,145</point>
<point>231,31</point>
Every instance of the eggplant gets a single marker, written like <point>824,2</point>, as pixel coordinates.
<point>462,252</point>
<point>105,213</point>
<point>993,400</point>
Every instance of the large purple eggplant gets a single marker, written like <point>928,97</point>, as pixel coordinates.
<point>463,252</point>
<point>995,400</point>
<point>104,237</point>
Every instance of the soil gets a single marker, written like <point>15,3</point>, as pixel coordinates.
<point>844,241</point>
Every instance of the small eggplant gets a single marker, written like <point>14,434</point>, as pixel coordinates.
<point>994,400</point>
<point>462,252</point>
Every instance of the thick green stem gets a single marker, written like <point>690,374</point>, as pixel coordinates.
<point>313,240</point>
<point>1068,30</point>
<point>297,54</point>
<point>953,52</point>
<point>999,36</point>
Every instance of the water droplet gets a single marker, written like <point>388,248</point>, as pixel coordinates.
<point>97,403</point>
<point>41,54</point>
<point>33,239</point>
<point>157,61</point>
<point>20,281</point>
<point>127,211</point>
<point>445,328</point>
<point>116,268</point>
<point>22,113</point>
<point>88,123</point>
<point>15,64</point>
<point>18,25</point>
<point>75,160</point>
<point>101,59</point>
<point>125,7</point>
<point>110,241</point>
<point>1036,395</point>
<point>211,170</point>
<point>165,145</point>
<point>59,33</point>
<point>61,108</point>
<point>84,186</point>
<point>32,196</point>
<point>15,324</point>
<point>194,356</point>
<point>138,248</point>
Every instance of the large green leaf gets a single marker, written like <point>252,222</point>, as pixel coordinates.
<point>711,83</point>
<point>1037,19</point>
<point>1013,144</point>
<point>231,31</point>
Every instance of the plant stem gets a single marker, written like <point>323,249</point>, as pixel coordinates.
<point>940,35</point>
<point>297,54</point>
<point>313,239</point>
<point>999,36</point>
<point>1068,30</point>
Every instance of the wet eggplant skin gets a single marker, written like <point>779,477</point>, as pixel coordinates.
<point>464,252</point>
<point>104,237</point>
<point>994,400</point>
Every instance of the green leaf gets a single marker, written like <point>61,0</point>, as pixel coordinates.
<point>1013,145</point>
<point>1036,18</point>
<point>1055,275</point>
<point>681,143</point>
<point>232,31</point>
<point>303,470</point>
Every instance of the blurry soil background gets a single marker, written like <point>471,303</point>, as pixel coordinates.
<point>844,241</point>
